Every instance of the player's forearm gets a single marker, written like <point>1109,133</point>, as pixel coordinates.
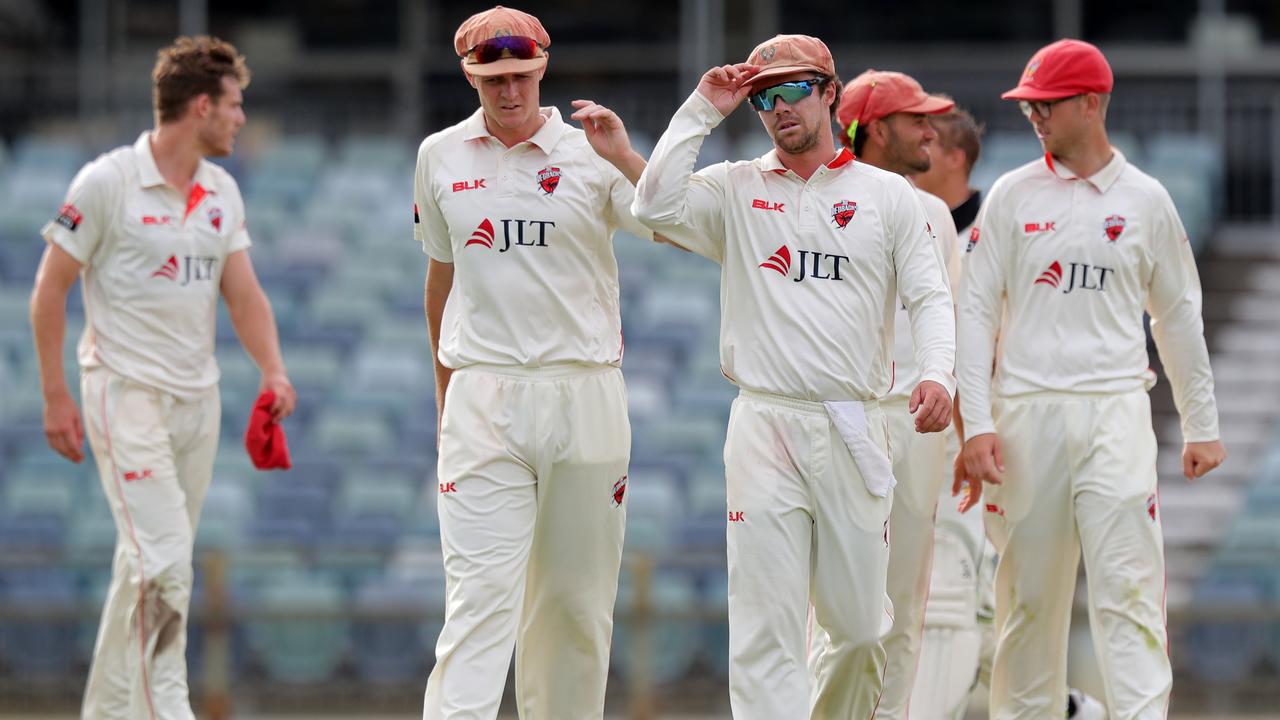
<point>435,295</point>
<point>632,166</point>
<point>48,328</point>
<point>976,340</point>
<point>1180,341</point>
<point>662,191</point>
<point>255,325</point>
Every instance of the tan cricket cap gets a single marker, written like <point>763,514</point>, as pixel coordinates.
<point>500,22</point>
<point>786,54</point>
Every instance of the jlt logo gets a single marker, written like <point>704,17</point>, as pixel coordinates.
<point>513,233</point>
<point>193,268</point>
<point>1082,276</point>
<point>819,266</point>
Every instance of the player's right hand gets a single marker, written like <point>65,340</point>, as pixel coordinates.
<point>983,460</point>
<point>727,86</point>
<point>62,426</point>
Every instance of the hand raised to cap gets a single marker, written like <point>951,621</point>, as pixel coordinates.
<point>727,86</point>
<point>605,130</point>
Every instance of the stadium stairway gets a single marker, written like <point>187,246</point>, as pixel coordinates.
<point>1240,275</point>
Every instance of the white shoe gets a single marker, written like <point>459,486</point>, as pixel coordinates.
<point>1083,707</point>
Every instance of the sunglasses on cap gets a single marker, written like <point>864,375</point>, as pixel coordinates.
<point>790,93</point>
<point>500,48</point>
<point>1043,108</point>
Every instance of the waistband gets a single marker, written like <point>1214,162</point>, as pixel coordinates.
<point>795,403</point>
<point>546,372</point>
<point>1061,396</point>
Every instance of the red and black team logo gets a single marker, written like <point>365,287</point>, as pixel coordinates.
<point>619,490</point>
<point>1113,226</point>
<point>69,217</point>
<point>483,235</point>
<point>974,233</point>
<point>842,212</point>
<point>549,179</point>
<point>1151,506</point>
<point>779,261</point>
<point>215,218</point>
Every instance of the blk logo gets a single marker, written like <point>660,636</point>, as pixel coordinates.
<point>736,516</point>
<point>993,508</point>
<point>132,475</point>
<point>766,205</point>
<point>477,184</point>
<point>192,268</point>
<point>974,233</point>
<point>159,220</point>
<point>619,491</point>
<point>1113,226</point>
<point>842,212</point>
<point>1031,228</point>
<point>449,487</point>
<point>1082,276</point>
<point>513,233</point>
<point>549,179</point>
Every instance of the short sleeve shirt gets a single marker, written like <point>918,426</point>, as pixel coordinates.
<point>529,230</point>
<point>152,264</point>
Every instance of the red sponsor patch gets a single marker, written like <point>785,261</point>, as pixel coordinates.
<point>69,217</point>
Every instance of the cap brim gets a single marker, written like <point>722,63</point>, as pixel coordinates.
<point>775,72</point>
<point>931,105</point>
<point>1026,92</point>
<point>505,66</point>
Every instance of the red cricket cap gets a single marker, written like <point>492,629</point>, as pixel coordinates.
<point>498,22</point>
<point>1063,69</point>
<point>264,438</point>
<point>878,93</point>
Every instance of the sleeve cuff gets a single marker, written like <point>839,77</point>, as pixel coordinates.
<point>57,235</point>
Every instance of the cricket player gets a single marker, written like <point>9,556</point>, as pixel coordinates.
<point>517,212</point>
<point>884,118</point>
<point>1069,251</point>
<point>815,251</point>
<point>155,232</point>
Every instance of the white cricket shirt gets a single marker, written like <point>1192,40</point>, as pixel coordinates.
<point>152,266</point>
<point>529,230</point>
<point>1073,262</point>
<point>810,271</point>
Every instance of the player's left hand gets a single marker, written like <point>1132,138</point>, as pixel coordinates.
<point>604,129</point>
<point>1198,458</point>
<point>931,404</point>
<point>286,397</point>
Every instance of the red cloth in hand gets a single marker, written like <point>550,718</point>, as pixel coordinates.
<point>264,438</point>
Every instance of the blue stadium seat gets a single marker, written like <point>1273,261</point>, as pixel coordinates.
<point>1225,651</point>
<point>397,650</point>
<point>306,639</point>
<point>42,651</point>
<point>673,641</point>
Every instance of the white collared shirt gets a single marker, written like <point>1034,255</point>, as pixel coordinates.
<point>1072,263</point>
<point>811,272</point>
<point>152,265</point>
<point>529,230</point>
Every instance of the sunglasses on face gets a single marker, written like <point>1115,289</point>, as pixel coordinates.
<point>499,48</point>
<point>1043,108</point>
<point>789,92</point>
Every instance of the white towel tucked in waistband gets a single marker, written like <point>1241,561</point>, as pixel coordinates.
<point>850,419</point>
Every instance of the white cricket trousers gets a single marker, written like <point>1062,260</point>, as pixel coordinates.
<point>803,529</point>
<point>921,465</point>
<point>1080,474</point>
<point>532,476</point>
<point>155,458</point>
<point>957,642</point>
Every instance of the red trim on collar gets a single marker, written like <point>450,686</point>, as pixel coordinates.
<point>844,158</point>
<point>193,199</point>
<point>1048,160</point>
